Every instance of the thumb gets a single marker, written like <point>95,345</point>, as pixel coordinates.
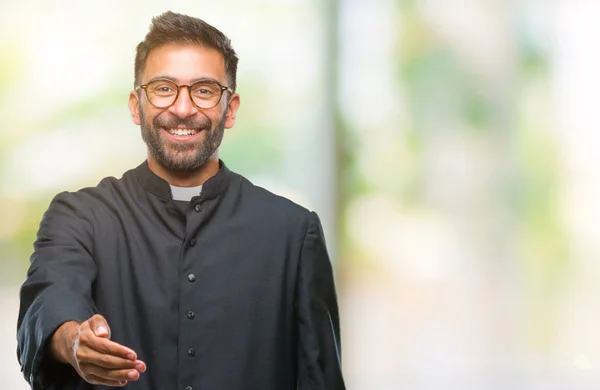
<point>99,326</point>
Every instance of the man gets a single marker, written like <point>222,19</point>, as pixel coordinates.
<point>181,274</point>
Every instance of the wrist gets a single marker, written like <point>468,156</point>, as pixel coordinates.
<point>62,341</point>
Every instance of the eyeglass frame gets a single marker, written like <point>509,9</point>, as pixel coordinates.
<point>189,89</point>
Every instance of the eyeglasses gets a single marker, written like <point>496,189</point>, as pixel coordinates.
<point>203,94</point>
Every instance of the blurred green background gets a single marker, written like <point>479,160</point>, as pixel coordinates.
<point>450,147</point>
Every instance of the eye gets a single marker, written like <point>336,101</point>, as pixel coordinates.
<point>205,90</point>
<point>164,89</point>
<point>161,87</point>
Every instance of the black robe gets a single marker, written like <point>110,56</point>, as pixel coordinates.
<point>235,292</point>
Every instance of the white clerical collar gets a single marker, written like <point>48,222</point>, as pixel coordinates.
<point>185,193</point>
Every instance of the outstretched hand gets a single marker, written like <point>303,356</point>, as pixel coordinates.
<point>97,359</point>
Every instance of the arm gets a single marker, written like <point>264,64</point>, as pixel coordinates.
<point>57,290</point>
<point>61,341</point>
<point>319,354</point>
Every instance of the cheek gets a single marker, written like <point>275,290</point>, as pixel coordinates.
<point>221,114</point>
<point>211,116</point>
<point>147,116</point>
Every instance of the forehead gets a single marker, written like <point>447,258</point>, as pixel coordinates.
<point>184,63</point>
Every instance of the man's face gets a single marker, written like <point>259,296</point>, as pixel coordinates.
<point>182,137</point>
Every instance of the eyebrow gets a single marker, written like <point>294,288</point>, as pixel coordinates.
<point>176,80</point>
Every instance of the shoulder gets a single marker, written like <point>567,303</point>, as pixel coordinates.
<point>272,207</point>
<point>264,197</point>
<point>87,198</point>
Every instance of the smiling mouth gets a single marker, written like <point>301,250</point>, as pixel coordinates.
<point>182,132</point>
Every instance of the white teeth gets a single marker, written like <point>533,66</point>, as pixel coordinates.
<point>182,132</point>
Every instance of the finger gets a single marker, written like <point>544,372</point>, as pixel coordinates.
<point>105,346</point>
<point>91,356</point>
<point>95,380</point>
<point>99,326</point>
<point>140,366</point>
<point>111,375</point>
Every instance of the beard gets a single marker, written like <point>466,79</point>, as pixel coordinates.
<point>181,157</point>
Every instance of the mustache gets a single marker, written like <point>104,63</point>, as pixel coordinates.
<point>165,123</point>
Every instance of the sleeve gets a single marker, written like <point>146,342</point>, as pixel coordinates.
<point>57,289</point>
<point>319,355</point>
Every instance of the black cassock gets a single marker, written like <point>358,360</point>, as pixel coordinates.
<point>231,290</point>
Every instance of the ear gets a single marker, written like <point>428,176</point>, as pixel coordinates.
<point>134,107</point>
<point>232,107</point>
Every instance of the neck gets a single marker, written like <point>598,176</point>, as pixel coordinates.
<point>186,179</point>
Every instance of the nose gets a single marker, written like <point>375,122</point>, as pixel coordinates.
<point>183,106</point>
